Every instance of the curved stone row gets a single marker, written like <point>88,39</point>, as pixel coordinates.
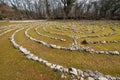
<point>66,29</point>
<point>9,26</point>
<point>36,29</point>
<point>72,47</point>
<point>102,28</point>
<point>103,35</point>
<point>102,42</point>
<point>57,29</point>
<point>73,72</point>
<point>97,36</point>
<point>15,26</point>
<point>89,50</point>
<point>7,31</point>
<point>6,27</point>
<point>54,32</point>
<point>3,27</point>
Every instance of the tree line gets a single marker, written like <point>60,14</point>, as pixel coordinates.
<point>65,9</point>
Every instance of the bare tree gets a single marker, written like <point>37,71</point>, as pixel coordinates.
<point>68,5</point>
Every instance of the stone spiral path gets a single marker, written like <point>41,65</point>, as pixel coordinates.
<point>74,73</point>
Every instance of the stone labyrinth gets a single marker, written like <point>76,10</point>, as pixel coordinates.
<point>88,38</point>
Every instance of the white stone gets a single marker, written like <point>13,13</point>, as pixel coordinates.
<point>53,46</point>
<point>59,68</point>
<point>116,52</point>
<point>73,71</point>
<point>40,60</point>
<point>48,64</point>
<point>102,78</point>
<point>53,66</point>
<point>90,78</point>
<point>44,61</point>
<point>34,58</point>
<point>28,56</point>
<point>80,72</point>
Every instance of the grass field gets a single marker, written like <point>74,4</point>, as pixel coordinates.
<point>14,65</point>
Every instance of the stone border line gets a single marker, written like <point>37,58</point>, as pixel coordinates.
<point>54,32</point>
<point>103,35</point>
<point>36,30</point>
<point>73,72</point>
<point>7,31</point>
<point>101,42</point>
<point>14,26</point>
